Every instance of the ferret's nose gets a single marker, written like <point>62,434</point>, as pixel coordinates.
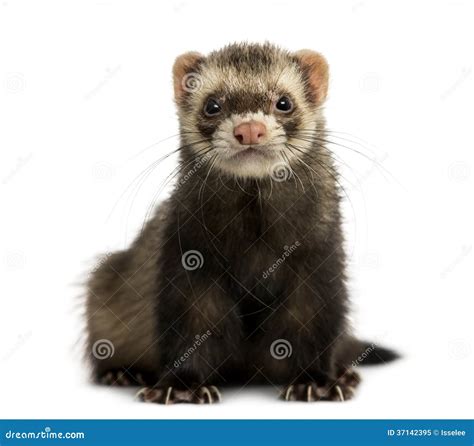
<point>252,132</point>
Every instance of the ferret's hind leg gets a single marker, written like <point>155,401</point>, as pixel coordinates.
<point>120,319</point>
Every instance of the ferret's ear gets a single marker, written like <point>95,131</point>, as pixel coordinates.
<point>316,71</point>
<point>185,79</point>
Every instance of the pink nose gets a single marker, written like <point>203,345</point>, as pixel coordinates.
<point>252,132</point>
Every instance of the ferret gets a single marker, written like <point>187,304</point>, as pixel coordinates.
<point>239,277</point>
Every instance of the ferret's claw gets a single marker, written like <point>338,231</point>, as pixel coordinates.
<point>339,391</point>
<point>208,395</point>
<point>139,394</point>
<point>168,395</point>
<point>216,392</point>
<point>205,394</point>
<point>288,393</point>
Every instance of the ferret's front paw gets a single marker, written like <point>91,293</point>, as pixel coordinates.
<point>312,392</point>
<point>341,389</point>
<point>172,395</point>
<point>121,378</point>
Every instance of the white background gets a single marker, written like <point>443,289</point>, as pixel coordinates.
<point>86,98</point>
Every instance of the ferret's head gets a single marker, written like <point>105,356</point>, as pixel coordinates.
<point>246,104</point>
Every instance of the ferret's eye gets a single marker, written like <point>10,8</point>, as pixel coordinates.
<point>212,107</point>
<point>284,105</point>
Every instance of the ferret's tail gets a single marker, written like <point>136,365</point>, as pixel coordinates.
<point>358,353</point>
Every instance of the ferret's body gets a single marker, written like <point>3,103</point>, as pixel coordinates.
<point>239,276</point>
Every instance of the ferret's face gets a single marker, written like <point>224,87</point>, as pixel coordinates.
<point>247,106</point>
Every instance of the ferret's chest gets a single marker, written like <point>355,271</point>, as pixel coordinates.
<point>257,228</point>
<point>257,246</point>
<point>253,239</point>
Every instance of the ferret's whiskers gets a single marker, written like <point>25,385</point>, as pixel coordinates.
<point>330,155</point>
<point>160,188</point>
<point>137,181</point>
<point>212,162</point>
<point>324,133</point>
<point>257,182</point>
<point>315,135</point>
<point>160,142</point>
<point>236,179</point>
<point>306,169</point>
<point>293,171</point>
<point>332,173</point>
<point>174,173</point>
<point>201,204</point>
<point>271,189</point>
